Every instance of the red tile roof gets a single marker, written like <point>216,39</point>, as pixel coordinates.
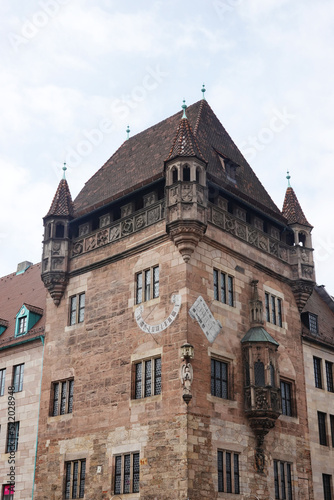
<point>140,160</point>
<point>62,202</point>
<point>292,209</point>
<point>185,143</point>
<point>15,290</point>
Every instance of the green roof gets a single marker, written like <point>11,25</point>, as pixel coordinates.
<point>258,334</point>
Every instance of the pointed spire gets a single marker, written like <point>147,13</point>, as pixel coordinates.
<point>127,132</point>
<point>292,209</point>
<point>203,90</point>
<point>62,203</point>
<point>185,142</point>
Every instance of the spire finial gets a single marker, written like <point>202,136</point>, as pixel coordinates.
<point>184,107</point>
<point>127,132</point>
<point>203,90</point>
<point>64,170</point>
<point>288,177</point>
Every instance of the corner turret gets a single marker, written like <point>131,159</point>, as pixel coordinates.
<point>56,242</point>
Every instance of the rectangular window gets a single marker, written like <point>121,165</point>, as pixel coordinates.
<point>228,472</point>
<point>8,492</point>
<point>75,476</point>
<point>22,325</point>
<point>2,381</point>
<point>313,322</point>
<point>322,428</point>
<point>126,478</point>
<point>77,308</point>
<point>327,485</point>
<point>331,417</point>
<point>219,379</point>
<point>223,289</point>
<point>283,480</point>
<point>147,378</point>
<point>329,376</point>
<point>18,377</point>
<point>273,309</point>
<point>286,395</point>
<point>147,285</point>
<point>62,397</point>
<point>317,372</point>
<point>12,436</point>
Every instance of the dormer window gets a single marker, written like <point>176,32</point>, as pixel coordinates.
<point>310,320</point>
<point>3,325</point>
<point>26,318</point>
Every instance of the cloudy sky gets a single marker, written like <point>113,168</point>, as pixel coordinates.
<point>75,73</point>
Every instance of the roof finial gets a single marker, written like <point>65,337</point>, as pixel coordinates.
<point>184,107</point>
<point>127,132</point>
<point>203,90</point>
<point>64,170</point>
<point>288,177</point>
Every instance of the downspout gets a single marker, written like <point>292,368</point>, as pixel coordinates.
<point>39,406</point>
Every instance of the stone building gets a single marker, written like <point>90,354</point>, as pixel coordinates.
<point>22,304</point>
<point>173,356</point>
<point>318,347</point>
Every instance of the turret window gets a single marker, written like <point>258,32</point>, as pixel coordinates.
<point>186,173</point>
<point>60,230</point>
<point>259,374</point>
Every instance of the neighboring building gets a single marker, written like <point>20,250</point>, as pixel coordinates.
<point>318,346</point>
<point>174,249</point>
<point>22,304</point>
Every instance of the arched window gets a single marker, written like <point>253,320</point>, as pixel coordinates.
<point>186,173</point>
<point>175,176</point>
<point>259,373</point>
<point>49,231</point>
<point>301,239</point>
<point>60,230</point>
<point>198,174</point>
<point>272,375</point>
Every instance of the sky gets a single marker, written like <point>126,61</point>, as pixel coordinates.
<point>76,73</point>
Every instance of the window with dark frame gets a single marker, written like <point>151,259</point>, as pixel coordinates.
<point>2,381</point>
<point>126,477</point>
<point>62,397</point>
<point>331,418</point>
<point>322,428</point>
<point>283,480</point>
<point>327,486</point>
<point>77,308</point>
<point>259,374</point>
<point>75,477</point>
<point>12,436</point>
<point>18,377</point>
<point>313,322</point>
<point>147,375</point>
<point>219,378</point>
<point>228,472</point>
<point>147,285</point>
<point>329,376</point>
<point>286,398</point>
<point>273,309</point>
<point>317,372</point>
<point>223,288</point>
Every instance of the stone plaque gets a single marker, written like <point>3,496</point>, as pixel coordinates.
<point>201,312</point>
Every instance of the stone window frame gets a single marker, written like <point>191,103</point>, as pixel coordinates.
<point>155,391</point>
<point>64,399</point>
<point>273,307</point>
<point>317,370</point>
<point>76,312</point>
<point>224,357</point>
<point>216,359</point>
<point>283,479</point>
<point>228,471</point>
<point>74,478</point>
<point>2,381</point>
<point>329,375</point>
<point>327,484</point>
<point>148,291</point>
<point>322,429</point>
<point>13,433</point>
<point>292,412</point>
<point>219,274</point>
<point>118,489</point>
<point>18,376</point>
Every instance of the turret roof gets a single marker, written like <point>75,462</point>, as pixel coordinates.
<point>62,203</point>
<point>140,161</point>
<point>185,143</point>
<point>292,209</point>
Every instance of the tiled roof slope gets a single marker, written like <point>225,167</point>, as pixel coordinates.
<point>140,160</point>
<point>185,143</point>
<point>292,209</point>
<point>62,203</point>
<point>16,290</point>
